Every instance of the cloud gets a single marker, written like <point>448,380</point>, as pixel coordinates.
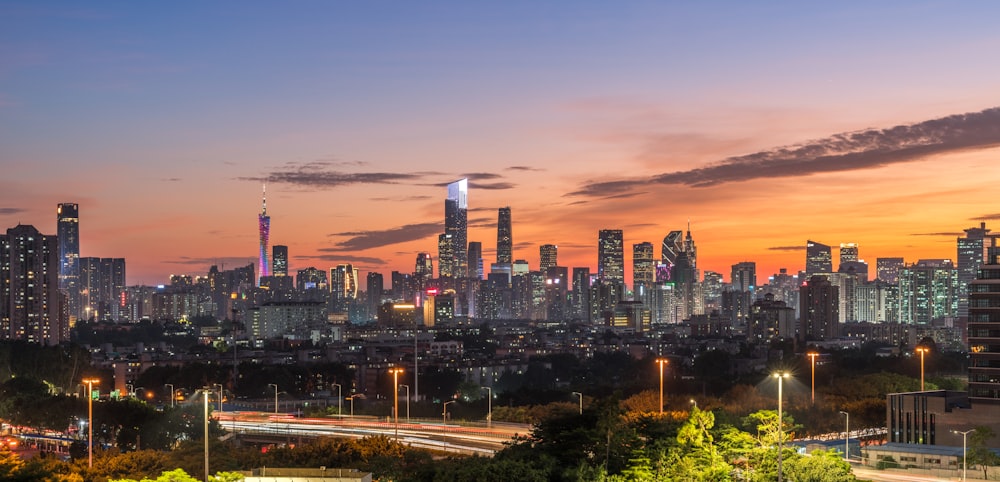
<point>937,234</point>
<point>344,258</point>
<point>525,168</point>
<point>493,186</point>
<point>171,179</point>
<point>318,174</point>
<point>362,240</point>
<point>866,149</point>
<point>228,261</point>
<point>986,217</point>
<point>787,248</point>
<point>4,211</point>
<point>402,198</point>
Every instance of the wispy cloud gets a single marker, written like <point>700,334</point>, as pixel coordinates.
<point>525,168</point>
<point>362,240</point>
<point>787,248</point>
<point>4,211</point>
<point>321,174</point>
<point>986,217</point>
<point>850,151</point>
<point>941,234</point>
<point>402,198</point>
<point>344,258</point>
<point>228,261</point>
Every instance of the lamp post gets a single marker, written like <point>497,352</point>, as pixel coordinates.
<point>489,406</point>
<point>171,385</point>
<point>395,397</point>
<point>220,395</point>
<point>275,385</point>
<point>922,350</point>
<point>812,357</point>
<point>661,362</point>
<point>781,429</point>
<point>90,419</point>
<point>407,387</point>
<point>444,412</point>
<point>340,401</point>
<point>847,435</point>
<point>963,447</point>
<point>351,398</point>
<point>581,401</point>
<point>208,392</point>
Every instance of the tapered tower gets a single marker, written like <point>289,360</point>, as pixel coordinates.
<point>264,226</point>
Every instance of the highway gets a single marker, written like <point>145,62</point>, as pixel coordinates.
<point>423,434</point>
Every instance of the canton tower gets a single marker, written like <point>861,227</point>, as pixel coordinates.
<point>264,225</point>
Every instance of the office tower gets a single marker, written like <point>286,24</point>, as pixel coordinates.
<point>887,269</point>
<point>446,257</point>
<point>505,238</point>
<point>744,276</point>
<point>848,252</point>
<point>580,297</point>
<point>770,319</point>
<point>672,247</point>
<point>68,233</point>
<point>264,228</point>
<point>279,257</point>
<point>610,256</point>
<point>928,290</point>
<point>983,327</point>
<point>31,304</point>
<point>972,252</point>
<point>311,279</point>
<point>374,287</point>
<point>557,293</point>
<point>344,282</point>
<point>692,251</point>
<point>876,302</point>
<point>102,282</point>
<point>424,267</point>
<point>456,226</point>
<point>475,262</point>
<point>712,290</point>
<point>818,259</point>
<point>547,254</point>
<point>643,268</point>
<point>231,290</point>
<point>820,305</point>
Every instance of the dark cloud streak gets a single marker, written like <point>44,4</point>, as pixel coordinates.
<point>362,240</point>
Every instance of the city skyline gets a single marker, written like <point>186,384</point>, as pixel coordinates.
<point>764,125</point>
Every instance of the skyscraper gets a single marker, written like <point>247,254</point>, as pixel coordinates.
<point>820,310</point>
<point>548,257</point>
<point>475,260</point>
<point>848,252</point>
<point>818,259</point>
<point>928,291</point>
<point>280,258</point>
<point>30,299</point>
<point>643,267</point>
<point>672,247</point>
<point>887,269</point>
<point>983,326</point>
<point>446,256</point>
<point>456,225</point>
<point>505,238</point>
<point>373,292</point>
<point>610,256</point>
<point>264,228</point>
<point>744,276</point>
<point>972,252</point>
<point>102,282</point>
<point>68,233</point>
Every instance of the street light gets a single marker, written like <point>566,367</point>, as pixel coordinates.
<point>340,401</point>
<point>208,391</point>
<point>395,397</point>
<point>351,398</point>
<point>220,395</point>
<point>847,435</point>
<point>275,385</point>
<point>781,429</point>
<point>812,357</point>
<point>661,362</point>
<point>90,419</point>
<point>444,412</point>
<point>922,350</point>
<point>581,401</point>
<point>171,385</point>
<point>489,405</point>
<point>407,387</point>
<point>963,447</point>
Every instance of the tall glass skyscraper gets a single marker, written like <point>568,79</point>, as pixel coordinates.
<point>505,238</point>
<point>264,228</point>
<point>68,233</point>
<point>818,258</point>
<point>610,256</point>
<point>643,268</point>
<point>548,256</point>
<point>280,260</point>
<point>456,208</point>
<point>972,252</point>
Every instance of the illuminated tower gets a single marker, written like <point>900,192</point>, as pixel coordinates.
<point>848,252</point>
<point>68,233</point>
<point>29,280</point>
<point>610,256</point>
<point>672,247</point>
<point>505,239</point>
<point>818,259</point>
<point>972,253</point>
<point>456,225</point>
<point>279,258</point>
<point>643,267</point>
<point>548,254</point>
<point>264,225</point>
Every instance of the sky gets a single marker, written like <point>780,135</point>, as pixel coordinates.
<point>763,124</point>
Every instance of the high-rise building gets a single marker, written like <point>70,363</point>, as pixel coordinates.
<point>475,262</point>
<point>744,276</point>
<point>264,229</point>
<point>68,233</point>
<point>279,256</point>
<point>373,292</point>
<point>505,238</point>
<point>446,256</point>
<point>311,279</point>
<point>548,257</point>
<point>580,296</point>
<point>610,256</point>
<point>643,268</point>
<point>672,247</point>
<point>820,317</point>
<point>102,284</point>
<point>848,252</point>
<point>887,269</point>
<point>928,290</point>
<point>984,328</point>
<point>818,259</point>
<point>456,226</point>
<point>972,252</point>
<point>31,304</point>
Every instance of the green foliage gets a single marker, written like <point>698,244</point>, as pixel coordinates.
<point>820,466</point>
<point>978,452</point>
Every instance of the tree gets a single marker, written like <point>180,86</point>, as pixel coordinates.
<point>820,466</point>
<point>978,451</point>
